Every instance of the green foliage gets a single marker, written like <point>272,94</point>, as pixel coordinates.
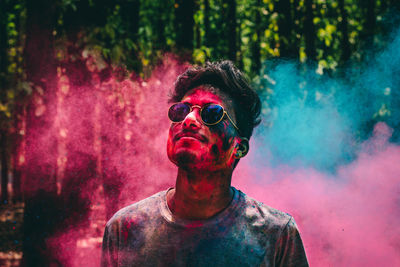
<point>11,74</point>
<point>137,33</point>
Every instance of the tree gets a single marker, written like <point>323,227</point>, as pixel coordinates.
<point>84,75</point>
<point>3,98</point>
<point>40,188</point>
<point>206,22</point>
<point>4,167</point>
<point>129,12</point>
<point>256,45</point>
<point>309,31</point>
<point>231,30</point>
<point>3,46</point>
<point>184,24</point>
<point>112,117</point>
<point>343,28</point>
<point>370,18</point>
<point>285,29</point>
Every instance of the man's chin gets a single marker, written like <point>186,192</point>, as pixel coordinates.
<point>188,160</point>
<point>185,159</point>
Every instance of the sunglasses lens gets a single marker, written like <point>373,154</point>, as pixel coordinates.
<point>178,112</point>
<point>212,114</point>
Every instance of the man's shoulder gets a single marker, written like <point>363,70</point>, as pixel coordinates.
<point>262,215</point>
<point>138,211</point>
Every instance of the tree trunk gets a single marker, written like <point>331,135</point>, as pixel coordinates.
<point>40,188</point>
<point>4,167</point>
<point>256,46</point>
<point>239,62</point>
<point>3,44</point>
<point>370,20</point>
<point>197,33</point>
<point>309,31</point>
<point>3,98</point>
<point>231,38</point>
<point>41,72</point>
<point>285,29</point>
<point>383,6</point>
<point>297,16</point>
<point>343,28</point>
<point>18,151</point>
<point>19,118</point>
<point>184,24</point>
<point>112,143</point>
<point>206,22</point>
<point>130,15</point>
<point>160,26</point>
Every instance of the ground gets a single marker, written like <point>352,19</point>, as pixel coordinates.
<point>11,219</point>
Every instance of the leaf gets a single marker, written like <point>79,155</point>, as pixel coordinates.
<point>316,20</point>
<point>116,53</point>
<point>327,42</point>
<point>10,94</point>
<point>11,25</point>
<point>199,56</point>
<point>145,61</point>
<point>330,28</point>
<point>3,108</point>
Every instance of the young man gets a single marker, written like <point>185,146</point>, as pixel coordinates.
<point>203,221</point>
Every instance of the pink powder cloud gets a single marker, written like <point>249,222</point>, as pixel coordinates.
<point>349,219</point>
<point>346,219</point>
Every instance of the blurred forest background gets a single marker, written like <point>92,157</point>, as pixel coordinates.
<point>51,50</point>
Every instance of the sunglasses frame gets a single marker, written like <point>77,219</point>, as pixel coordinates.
<point>201,109</point>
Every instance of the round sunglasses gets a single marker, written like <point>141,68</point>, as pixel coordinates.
<point>210,114</point>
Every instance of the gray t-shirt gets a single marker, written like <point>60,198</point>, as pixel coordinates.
<point>246,233</point>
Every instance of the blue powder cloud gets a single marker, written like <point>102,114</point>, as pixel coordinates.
<point>313,120</point>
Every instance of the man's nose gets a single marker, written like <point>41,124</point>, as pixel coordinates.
<point>192,120</point>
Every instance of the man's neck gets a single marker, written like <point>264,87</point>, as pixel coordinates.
<point>200,195</point>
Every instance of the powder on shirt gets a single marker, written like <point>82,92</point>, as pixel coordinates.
<point>246,233</point>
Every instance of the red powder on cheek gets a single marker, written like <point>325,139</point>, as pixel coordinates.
<point>215,150</point>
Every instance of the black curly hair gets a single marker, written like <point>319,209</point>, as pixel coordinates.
<point>224,76</point>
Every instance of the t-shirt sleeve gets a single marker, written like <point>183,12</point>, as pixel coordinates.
<point>290,249</point>
<point>109,254</point>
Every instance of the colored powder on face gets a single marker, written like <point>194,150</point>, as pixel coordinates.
<point>226,133</point>
<point>214,150</point>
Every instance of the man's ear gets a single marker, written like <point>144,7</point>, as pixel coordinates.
<point>242,147</point>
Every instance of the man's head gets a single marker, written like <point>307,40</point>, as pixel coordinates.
<point>205,137</point>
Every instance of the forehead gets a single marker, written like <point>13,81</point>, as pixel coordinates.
<point>202,95</point>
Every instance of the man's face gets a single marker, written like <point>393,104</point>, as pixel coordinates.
<point>194,145</point>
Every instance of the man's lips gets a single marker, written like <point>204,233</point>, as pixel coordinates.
<point>199,137</point>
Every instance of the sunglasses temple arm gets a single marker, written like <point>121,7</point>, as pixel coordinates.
<point>229,118</point>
